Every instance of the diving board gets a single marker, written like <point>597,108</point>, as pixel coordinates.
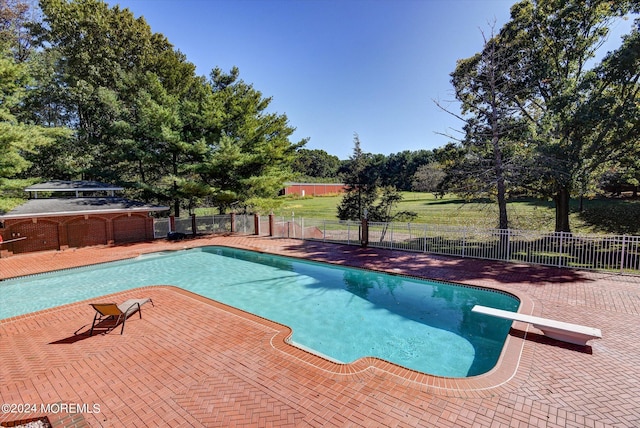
<point>564,331</point>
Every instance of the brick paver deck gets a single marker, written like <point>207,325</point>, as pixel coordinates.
<point>191,361</point>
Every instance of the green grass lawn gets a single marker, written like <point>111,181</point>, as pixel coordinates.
<point>599,215</point>
<point>615,216</point>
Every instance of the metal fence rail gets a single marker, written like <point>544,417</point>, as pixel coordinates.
<point>344,232</point>
<point>203,224</point>
<point>595,252</point>
<point>213,224</point>
<point>161,227</point>
<point>244,224</point>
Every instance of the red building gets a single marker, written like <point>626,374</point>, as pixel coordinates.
<point>88,214</point>
<point>313,189</point>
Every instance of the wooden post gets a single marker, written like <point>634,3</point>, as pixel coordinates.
<point>364,239</point>
<point>271,224</point>
<point>256,224</point>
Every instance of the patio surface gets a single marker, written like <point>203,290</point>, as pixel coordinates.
<point>191,361</point>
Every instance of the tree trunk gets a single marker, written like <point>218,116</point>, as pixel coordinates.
<point>500,181</point>
<point>562,210</point>
<point>176,200</point>
<point>502,205</point>
<point>176,206</point>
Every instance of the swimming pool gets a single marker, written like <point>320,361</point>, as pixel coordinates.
<point>342,313</point>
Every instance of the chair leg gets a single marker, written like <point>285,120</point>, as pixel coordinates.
<point>95,317</point>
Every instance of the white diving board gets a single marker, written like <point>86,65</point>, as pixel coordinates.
<point>564,331</point>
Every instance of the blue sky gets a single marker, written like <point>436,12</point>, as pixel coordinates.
<point>336,67</point>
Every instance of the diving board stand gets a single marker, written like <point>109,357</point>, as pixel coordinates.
<point>564,331</point>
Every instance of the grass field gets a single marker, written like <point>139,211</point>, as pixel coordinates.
<point>599,215</point>
<point>615,216</point>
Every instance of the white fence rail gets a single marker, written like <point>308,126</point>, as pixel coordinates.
<point>619,253</point>
<point>595,252</point>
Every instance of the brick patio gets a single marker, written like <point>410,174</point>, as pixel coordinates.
<point>191,361</point>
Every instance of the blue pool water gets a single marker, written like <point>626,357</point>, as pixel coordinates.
<point>342,313</point>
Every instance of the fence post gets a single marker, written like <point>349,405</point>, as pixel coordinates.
<point>233,222</point>
<point>194,229</point>
<point>172,223</point>
<point>560,258</point>
<point>424,243</point>
<point>324,230</point>
<point>622,253</point>
<point>364,240</point>
<point>271,224</point>
<point>293,223</point>
<point>256,224</point>
<point>464,241</point>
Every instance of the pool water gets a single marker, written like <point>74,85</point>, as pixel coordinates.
<point>342,313</point>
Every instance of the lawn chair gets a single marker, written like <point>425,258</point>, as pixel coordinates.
<point>119,313</point>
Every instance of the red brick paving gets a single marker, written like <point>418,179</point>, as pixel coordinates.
<point>191,361</point>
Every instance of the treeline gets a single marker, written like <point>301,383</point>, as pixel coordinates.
<point>90,92</point>
<point>419,170</point>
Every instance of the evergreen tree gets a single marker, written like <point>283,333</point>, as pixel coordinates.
<point>17,140</point>
<point>248,155</point>
<point>364,197</point>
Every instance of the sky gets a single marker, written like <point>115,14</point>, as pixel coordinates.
<point>339,67</point>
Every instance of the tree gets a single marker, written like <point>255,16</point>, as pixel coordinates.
<point>398,169</point>
<point>360,189</point>
<point>429,178</point>
<point>98,60</point>
<point>612,114</point>
<point>492,122</point>
<point>15,31</point>
<point>133,100</point>
<point>316,164</point>
<point>17,139</point>
<point>554,42</point>
<point>364,197</point>
<point>248,154</point>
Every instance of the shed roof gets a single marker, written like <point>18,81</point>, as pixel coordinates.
<point>71,185</point>
<point>55,207</point>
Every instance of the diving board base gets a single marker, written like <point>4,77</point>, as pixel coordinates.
<point>564,331</point>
